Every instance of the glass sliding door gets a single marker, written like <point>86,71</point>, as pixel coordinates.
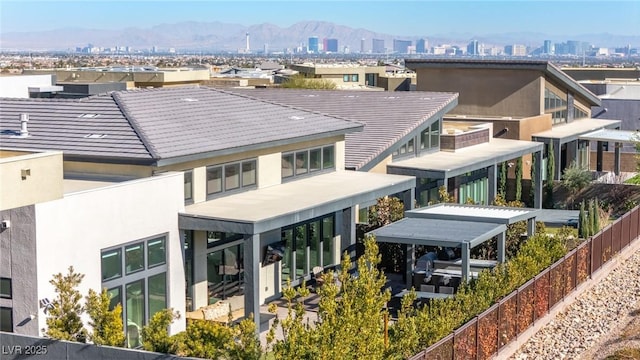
<point>301,251</point>
<point>315,253</point>
<point>287,260</point>
<point>328,233</point>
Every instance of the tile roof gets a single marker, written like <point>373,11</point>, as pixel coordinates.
<point>388,116</point>
<point>177,122</point>
<point>162,124</point>
<point>58,124</point>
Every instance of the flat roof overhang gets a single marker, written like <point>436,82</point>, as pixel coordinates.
<point>438,232</point>
<point>611,135</point>
<point>445,164</point>
<point>573,130</point>
<point>261,210</point>
<point>475,213</point>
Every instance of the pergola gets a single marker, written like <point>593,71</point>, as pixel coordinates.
<point>456,226</point>
<point>618,137</point>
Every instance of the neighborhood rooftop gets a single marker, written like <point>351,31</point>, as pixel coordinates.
<point>388,117</point>
<point>165,125</point>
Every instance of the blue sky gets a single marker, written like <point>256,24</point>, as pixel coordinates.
<point>392,17</point>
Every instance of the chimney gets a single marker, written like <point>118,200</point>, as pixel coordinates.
<point>24,119</point>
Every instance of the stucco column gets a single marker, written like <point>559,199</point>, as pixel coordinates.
<point>251,262</point>
<point>466,266</point>
<point>200,285</point>
<point>537,194</point>
<point>616,158</point>
<point>492,176</point>
<point>502,255</point>
<point>599,149</point>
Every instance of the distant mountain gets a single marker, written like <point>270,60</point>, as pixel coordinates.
<point>218,36</point>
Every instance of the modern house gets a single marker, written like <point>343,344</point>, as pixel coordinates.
<point>345,76</point>
<point>405,134</point>
<point>183,197</point>
<point>525,100</point>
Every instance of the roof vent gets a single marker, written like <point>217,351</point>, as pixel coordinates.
<point>189,100</point>
<point>95,136</point>
<point>88,115</point>
<point>24,132</point>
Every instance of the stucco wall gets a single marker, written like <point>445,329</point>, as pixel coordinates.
<point>30,178</point>
<point>73,230</point>
<point>18,262</point>
<point>487,93</point>
<point>18,86</point>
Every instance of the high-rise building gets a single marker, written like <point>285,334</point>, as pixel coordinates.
<point>574,47</point>
<point>421,46</point>
<point>362,46</point>
<point>377,46</point>
<point>515,50</point>
<point>248,49</point>
<point>313,45</point>
<point>472,48</point>
<point>547,48</point>
<point>330,45</point>
<point>401,46</point>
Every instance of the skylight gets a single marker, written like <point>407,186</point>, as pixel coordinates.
<point>88,115</point>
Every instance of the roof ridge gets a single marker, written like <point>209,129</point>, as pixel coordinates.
<point>117,98</point>
<point>272,102</point>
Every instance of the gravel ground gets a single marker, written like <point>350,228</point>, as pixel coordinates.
<point>590,327</point>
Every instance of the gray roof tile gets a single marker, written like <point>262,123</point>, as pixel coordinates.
<point>388,116</point>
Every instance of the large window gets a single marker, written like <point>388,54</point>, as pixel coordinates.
<point>350,78</point>
<point>6,319</point>
<point>232,176</point>
<point>555,105</point>
<point>5,288</point>
<point>307,245</point>
<point>188,185</point>
<point>307,161</point>
<point>135,275</point>
<point>428,139</point>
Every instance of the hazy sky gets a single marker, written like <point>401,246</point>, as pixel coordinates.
<point>390,17</point>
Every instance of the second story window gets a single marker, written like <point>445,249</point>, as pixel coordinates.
<point>307,161</point>
<point>188,185</point>
<point>232,176</point>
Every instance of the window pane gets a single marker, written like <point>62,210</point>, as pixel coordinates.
<point>232,176</point>
<point>133,258</point>
<point>345,78</point>
<point>403,149</point>
<point>5,288</point>
<point>435,134</point>
<point>301,250</point>
<point>157,293</point>
<point>327,157</point>
<point>302,165</point>
<point>315,162</point>
<point>314,245</point>
<point>135,312</point>
<point>287,237</point>
<point>327,241</point>
<point>6,319</point>
<point>287,165</point>
<point>249,173</point>
<point>188,185</point>
<point>214,180</point>
<point>213,237</point>
<point>354,77</point>
<point>156,252</point>
<point>424,139</point>
<point>111,264</point>
<point>410,148</point>
<point>115,296</point>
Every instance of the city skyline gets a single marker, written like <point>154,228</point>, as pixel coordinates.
<point>403,18</point>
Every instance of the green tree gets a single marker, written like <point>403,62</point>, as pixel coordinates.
<point>596,220</point>
<point>551,171</point>
<point>519,179</point>
<point>388,209</point>
<point>63,320</point>
<point>502,186</point>
<point>593,214</point>
<point>443,195</point>
<point>575,178</point>
<point>106,324</point>
<point>155,336</point>
<point>300,82</point>
<point>532,189</point>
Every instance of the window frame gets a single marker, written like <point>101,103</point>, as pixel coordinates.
<point>188,173</point>
<point>9,295</point>
<point>224,190</point>
<point>307,156</point>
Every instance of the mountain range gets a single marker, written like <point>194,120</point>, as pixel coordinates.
<point>218,36</point>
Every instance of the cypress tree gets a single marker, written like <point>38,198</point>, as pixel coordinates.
<point>551,170</point>
<point>519,179</point>
<point>582,223</point>
<point>503,180</point>
<point>532,190</point>
<point>596,210</point>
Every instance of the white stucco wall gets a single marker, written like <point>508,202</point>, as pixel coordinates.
<point>73,230</point>
<point>18,86</point>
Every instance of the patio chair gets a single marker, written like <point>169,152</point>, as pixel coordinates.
<point>428,288</point>
<point>445,290</point>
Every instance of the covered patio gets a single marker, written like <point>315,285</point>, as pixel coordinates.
<point>605,136</point>
<point>254,221</point>
<point>437,169</point>
<point>568,144</point>
<point>455,226</point>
